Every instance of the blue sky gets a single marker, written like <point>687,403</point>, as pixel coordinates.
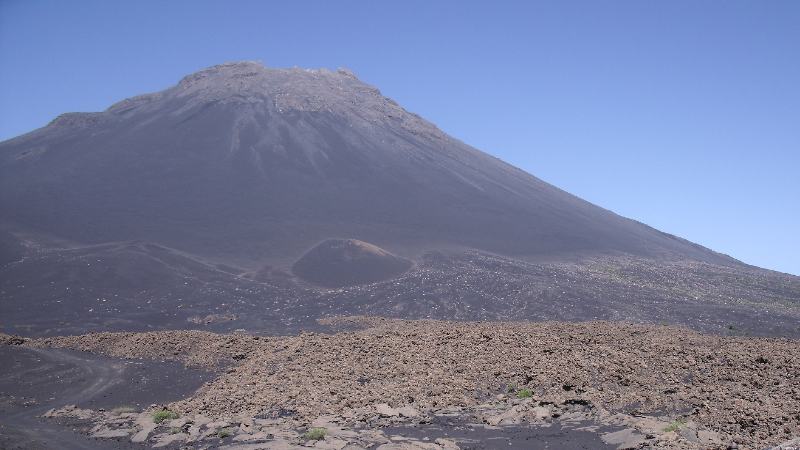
<point>684,115</point>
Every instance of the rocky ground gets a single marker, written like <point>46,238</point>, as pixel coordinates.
<point>143,287</point>
<point>479,286</point>
<point>34,381</point>
<point>654,386</point>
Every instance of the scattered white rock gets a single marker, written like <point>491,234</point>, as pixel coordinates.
<point>108,433</point>
<point>385,410</point>
<point>625,438</point>
<point>793,444</point>
<point>408,411</point>
<point>166,439</point>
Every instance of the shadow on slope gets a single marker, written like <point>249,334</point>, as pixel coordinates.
<point>129,286</point>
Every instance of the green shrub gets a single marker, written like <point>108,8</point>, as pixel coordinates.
<point>315,434</point>
<point>524,393</point>
<point>675,425</point>
<point>223,433</point>
<point>164,414</point>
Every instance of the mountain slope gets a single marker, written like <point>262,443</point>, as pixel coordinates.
<point>247,165</point>
<point>256,198</point>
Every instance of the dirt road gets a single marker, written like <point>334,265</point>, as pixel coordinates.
<point>32,381</point>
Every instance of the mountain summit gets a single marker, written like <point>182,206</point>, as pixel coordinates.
<point>247,164</point>
<point>258,198</point>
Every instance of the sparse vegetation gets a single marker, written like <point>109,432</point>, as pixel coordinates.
<point>315,434</point>
<point>675,425</point>
<point>225,432</point>
<point>524,393</point>
<point>123,409</point>
<point>511,389</point>
<point>164,414</point>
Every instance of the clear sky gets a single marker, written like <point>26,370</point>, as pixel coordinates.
<point>684,115</point>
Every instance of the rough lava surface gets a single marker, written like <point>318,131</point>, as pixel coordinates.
<point>735,390</point>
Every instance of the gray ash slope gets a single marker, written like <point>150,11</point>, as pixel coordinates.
<point>245,163</point>
<point>225,180</point>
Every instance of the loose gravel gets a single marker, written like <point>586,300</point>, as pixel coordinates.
<point>745,389</point>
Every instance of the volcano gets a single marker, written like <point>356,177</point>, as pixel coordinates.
<point>249,164</point>
<point>343,262</point>
<point>244,169</point>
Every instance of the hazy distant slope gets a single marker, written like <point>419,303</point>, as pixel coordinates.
<point>247,165</point>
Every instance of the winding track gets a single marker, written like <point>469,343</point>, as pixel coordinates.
<point>32,381</point>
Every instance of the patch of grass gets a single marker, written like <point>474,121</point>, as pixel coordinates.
<point>511,388</point>
<point>315,434</point>
<point>164,414</point>
<point>225,432</point>
<point>175,430</point>
<point>524,393</point>
<point>675,425</point>
<point>123,409</point>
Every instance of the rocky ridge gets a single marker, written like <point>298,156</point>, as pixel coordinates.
<point>741,390</point>
<point>382,427</point>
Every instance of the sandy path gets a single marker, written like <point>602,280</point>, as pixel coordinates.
<point>32,381</point>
